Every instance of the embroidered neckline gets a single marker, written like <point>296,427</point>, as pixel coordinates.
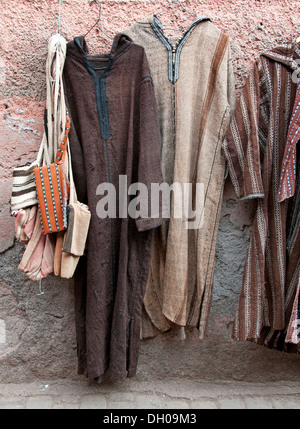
<point>100,80</point>
<point>109,57</point>
<point>174,52</point>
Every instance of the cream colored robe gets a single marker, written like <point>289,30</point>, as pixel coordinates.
<point>194,87</point>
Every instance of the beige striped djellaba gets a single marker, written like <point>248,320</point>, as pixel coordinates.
<point>194,87</point>
<point>254,147</point>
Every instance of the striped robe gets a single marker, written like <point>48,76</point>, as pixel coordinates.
<point>255,149</point>
<point>195,92</point>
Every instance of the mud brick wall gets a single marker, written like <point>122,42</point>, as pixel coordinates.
<point>38,331</point>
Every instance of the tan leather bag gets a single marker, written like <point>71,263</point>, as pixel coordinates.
<point>79,217</point>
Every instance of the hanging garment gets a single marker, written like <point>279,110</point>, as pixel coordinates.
<point>194,87</point>
<point>293,333</point>
<point>258,149</point>
<point>115,132</point>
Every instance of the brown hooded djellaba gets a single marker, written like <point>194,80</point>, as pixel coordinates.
<point>114,132</point>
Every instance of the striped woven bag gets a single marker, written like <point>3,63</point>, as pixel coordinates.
<point>23,188</point>
<point>53,189</point>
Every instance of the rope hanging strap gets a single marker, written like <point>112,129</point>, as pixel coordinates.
<point>59,18</point>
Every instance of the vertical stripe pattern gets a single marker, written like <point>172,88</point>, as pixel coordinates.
<point>260,148</point>
<point>288,174</point>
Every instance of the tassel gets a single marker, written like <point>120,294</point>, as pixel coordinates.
<point>40,288</point>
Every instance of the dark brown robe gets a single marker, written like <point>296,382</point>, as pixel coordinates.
<point>114,132</point>
<point>255,149</point>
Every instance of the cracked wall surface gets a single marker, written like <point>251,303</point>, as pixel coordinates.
<point>37,332</point>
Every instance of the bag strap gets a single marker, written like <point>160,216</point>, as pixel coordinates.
<point>73,193</point>
<point>43,154</point>
<point>55,91</point>
<point>61,151</point>
<point>41,150</point>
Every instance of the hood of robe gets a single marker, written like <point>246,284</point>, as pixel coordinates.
<point>120,42</point>
<point>288,55</point>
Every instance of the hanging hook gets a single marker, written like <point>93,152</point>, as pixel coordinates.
<point>186,10</point>
<point>98,20</point>
<point>90,4</point>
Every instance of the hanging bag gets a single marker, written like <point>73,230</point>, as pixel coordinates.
<point>53,189</point>
<point>38,259</point>
<point>23,190</point>
<point>79,217</point>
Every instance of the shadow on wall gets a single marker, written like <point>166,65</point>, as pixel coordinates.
<point>40,337</point>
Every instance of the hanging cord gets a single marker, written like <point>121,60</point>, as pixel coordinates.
<point>59,18</point>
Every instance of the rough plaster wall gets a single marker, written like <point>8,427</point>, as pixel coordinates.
<point>40,329</point>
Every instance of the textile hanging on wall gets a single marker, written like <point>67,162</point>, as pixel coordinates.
<point>293,333</point>
<point>195,92</point>
<point>255,148</point>
<point>116,132</point>
<point>42,256</point>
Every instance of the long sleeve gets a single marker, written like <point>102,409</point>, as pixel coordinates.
<point>242,143</point>
<point>231,93</point>
<point>149,168</point>
<point>75,136</point>
<point>78,166</point>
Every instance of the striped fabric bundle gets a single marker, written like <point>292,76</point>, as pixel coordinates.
<point>24,190</point>
<point>288,175</point>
